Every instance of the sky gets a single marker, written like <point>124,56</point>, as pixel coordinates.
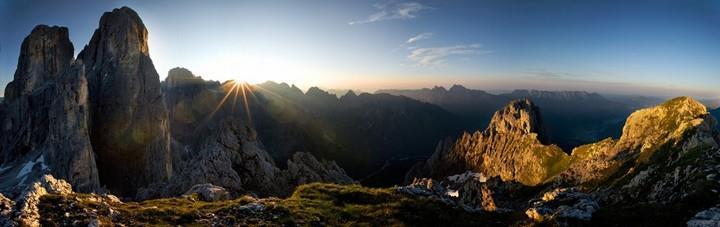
<point>662,48</point>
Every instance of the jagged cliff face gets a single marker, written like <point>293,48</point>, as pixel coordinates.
<point>128,122</point>
<point>510,148</point>
<point>44,128</point>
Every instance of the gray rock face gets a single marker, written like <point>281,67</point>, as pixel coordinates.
<point>128,123</point>
<point>44,55</point>
<point>44,127</point>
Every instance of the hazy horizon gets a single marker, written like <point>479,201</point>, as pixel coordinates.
<point>654,48</point>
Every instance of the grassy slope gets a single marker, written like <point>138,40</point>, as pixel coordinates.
<point>312,204</point>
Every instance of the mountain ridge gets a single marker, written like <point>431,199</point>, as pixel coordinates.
<point>571,118</point>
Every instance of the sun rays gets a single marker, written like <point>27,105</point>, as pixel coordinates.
<point>234,89</point>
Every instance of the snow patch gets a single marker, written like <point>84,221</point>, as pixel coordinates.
<point>28,166</point>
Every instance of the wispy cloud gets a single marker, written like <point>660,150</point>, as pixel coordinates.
<point>419,37</point>
<point>545,74</point>
<point>437,56</point>
<point>393,10</point>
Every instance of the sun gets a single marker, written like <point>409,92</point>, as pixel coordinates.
<point>236,91</point>
<point>250,69</point>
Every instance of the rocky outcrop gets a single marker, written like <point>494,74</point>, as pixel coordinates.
<point>511,148</point>
<point>562,206</point>
<point>666,154</point>
<point>470,191</point>
<point>128,122</point>
<point>304,168</point>
<point>44,127</point>
<point>24,210</point>
<point>208,192</point>
<point>232,157</point>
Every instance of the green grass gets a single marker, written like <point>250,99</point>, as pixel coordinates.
<point>312,204</point>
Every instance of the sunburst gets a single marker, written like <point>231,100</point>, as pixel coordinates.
<point>235,88</point>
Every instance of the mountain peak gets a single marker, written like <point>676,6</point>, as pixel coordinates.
<point>439,88</point>
<point>686,105</point>
<point>315,91</point>
<point>520,116</point>
<point>349,94</point>
<point>180,73</point>
<point>44,54</point>
<point>667,121</point>
<point>457,88</point>
<point>126,27</point>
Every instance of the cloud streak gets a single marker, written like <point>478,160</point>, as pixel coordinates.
<point>393,11</point>
<point>419,37</point>
<point>545,74</point>
<point>437,56</point>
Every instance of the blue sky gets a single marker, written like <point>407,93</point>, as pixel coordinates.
<point>645,47</point>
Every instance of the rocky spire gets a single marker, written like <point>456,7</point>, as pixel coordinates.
<point>509,148</point>
<point>45,117</point>
<point>518,117</point>
<point>128,119</point>
<point>44,54</point>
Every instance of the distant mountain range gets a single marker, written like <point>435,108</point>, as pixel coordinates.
<point>360,132</point>
<point>571,117</point>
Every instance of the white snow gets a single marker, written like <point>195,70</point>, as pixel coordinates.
<point>3,168</point>
<point>41,160</point>
<point>27,168</point>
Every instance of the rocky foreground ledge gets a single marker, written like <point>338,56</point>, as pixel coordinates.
<point>467,199</point>
<point>51,202</point>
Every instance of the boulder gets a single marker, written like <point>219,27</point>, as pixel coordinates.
<point>209,192</point>
<point>562,206</point>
